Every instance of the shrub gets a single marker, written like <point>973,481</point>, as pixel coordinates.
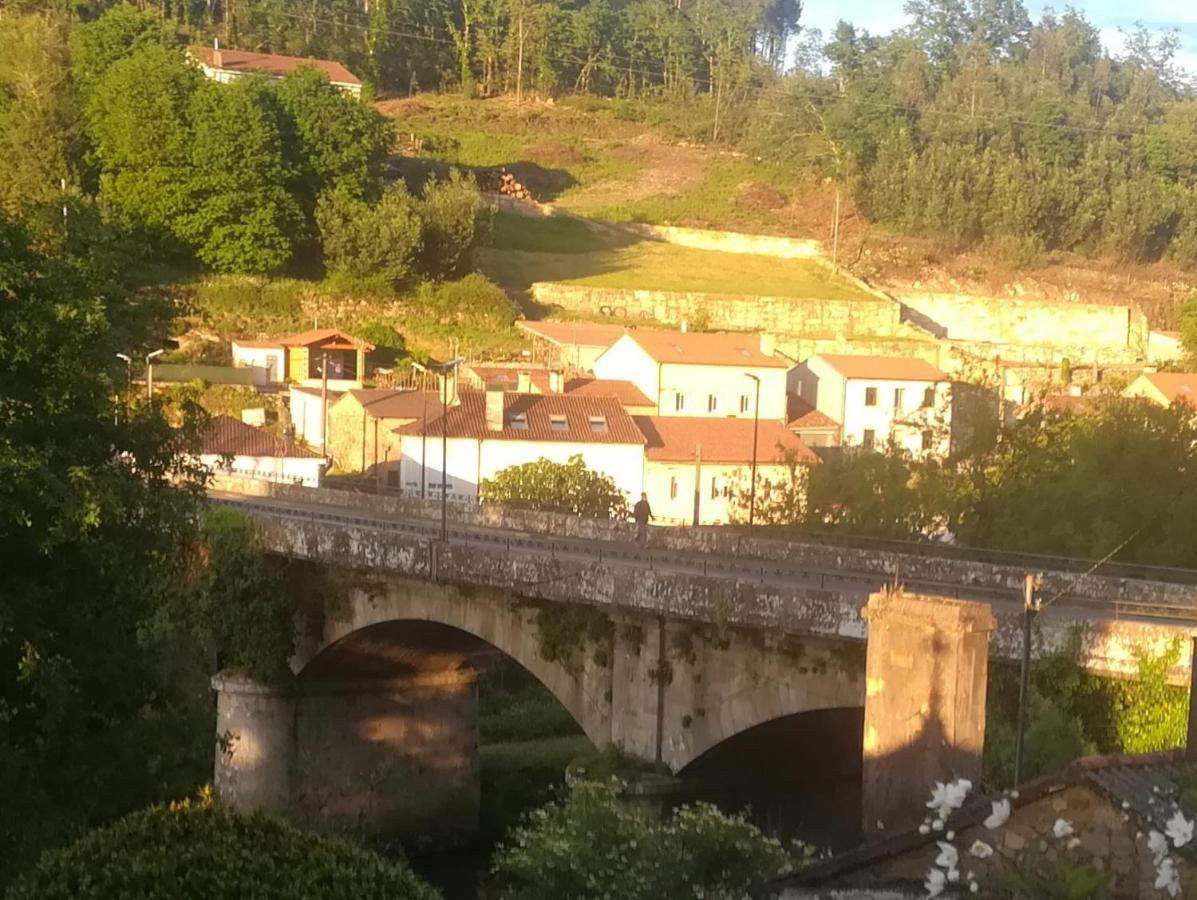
<point>361,240</point>
<point>206,853</point>
<point>473,299</point>
<point>568,487</point>
<point>388,343</point>
<point>592,845</point>
<point>454,220</point>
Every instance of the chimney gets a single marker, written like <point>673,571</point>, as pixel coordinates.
<point>523,383</point>
<point>217,56</point>
<point>556,383</point>
<point>685,326</point>
<point>494,408</point>
<point>768,344</point>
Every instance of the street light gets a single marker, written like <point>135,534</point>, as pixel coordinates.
<point>128,360</point>
<point>756,426</point>
<point>423,428</point>
<point>445,368</point>
<point>149,372</point>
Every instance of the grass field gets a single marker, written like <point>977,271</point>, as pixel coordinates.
<point>527,250</point>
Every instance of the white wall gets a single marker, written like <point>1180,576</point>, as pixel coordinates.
<point>821,386</point>
<point>269,358</point>
<point>670,489</point>
<point>305,416</point>
<point>625,360</point>
<point>288,470</point>
<point>883,417</point>
<point>729,385</point>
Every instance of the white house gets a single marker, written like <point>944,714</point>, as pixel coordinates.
<point>689,462</point>
<point>692,374</point>
<point>879,399</point>
<point>267,357</point>
<point>220,64</point>
<point>307,410</point>
<point>234,448</point>
<point>489,431</point>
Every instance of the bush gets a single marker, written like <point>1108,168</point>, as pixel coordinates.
<point>388,343</point>
<point>592,845</point>
<point>568,487</point>
<point>473,300</point>
<point>206,853</point>
<point>362,240</point>
<point>454,220</point>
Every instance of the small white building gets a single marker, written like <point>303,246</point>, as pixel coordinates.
<point>220,64</point>
<point>707,463</point>
<point>880,399</point>
<point>231,447</point>
<point>489,431</point>
<point>710,375</point>
<point>307,410</point>
<point>267,357</point>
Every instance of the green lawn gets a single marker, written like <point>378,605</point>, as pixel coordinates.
<point>529,250</point>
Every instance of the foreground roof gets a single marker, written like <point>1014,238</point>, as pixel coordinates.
<point>705,349</point>
<point>674,439</point>
<point>801,416</point>
<point>886,368</point>
<point>226,436</point>
<point>1175,385</point>
<point>325,336</point>
<point>623,391</point>
<point>272,64</point>
<point>559,418</point>
<point>581,334</point>
<point>394,403</point>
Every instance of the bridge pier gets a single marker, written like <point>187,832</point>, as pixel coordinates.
<point>395,757</point>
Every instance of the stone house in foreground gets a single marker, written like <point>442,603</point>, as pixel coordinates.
<point>1111,802</point>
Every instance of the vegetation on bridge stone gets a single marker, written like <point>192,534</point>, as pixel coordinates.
<point>567,631</point>
<point>546,486</point>
<point>591,845</point>
<point>204,852</point>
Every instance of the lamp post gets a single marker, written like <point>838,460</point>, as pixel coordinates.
<point>128,361</point>
<point>451,365</point>
<point>149,372</point>
<point>423,428</point>
<point>756,427</point>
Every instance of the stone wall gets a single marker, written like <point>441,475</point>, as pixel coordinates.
<point>779,315</point>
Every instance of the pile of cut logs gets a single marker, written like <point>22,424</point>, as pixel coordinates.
<point>503,182</point>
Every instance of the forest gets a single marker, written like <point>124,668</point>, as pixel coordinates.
<point>973,125</point>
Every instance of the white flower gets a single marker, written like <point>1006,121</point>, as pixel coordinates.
<point>951,835</point>
<point>948,797</point>
<point>948,856</point>
<point>936,880</point>
<point>973,887</point>
<point>953,875</point>
<point>999,816</point>
<point>1179,829</point>
<point>1062,829</point>
<point>924,828</point>
<point>880,825</point>
<point>981,850</point>
<point>1158,845</point>
<point>1167,878</point>
<point>1126,804</point>
<point>937,825</point>
<point>1073,843</point>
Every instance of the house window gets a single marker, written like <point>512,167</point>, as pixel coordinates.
<point>519,421</point>
<point>714,488</point>
<point>871,396</point>
<point>598,424</point>
<point>928,439</point>
<point>869,439</point>
<point>743,403</point>
<point>393,478</point>
<point>929,397</point>
<point>672,487</point>
<point>899,398</point>
<point>558,423</point>
<point>712,403</point>
<point>679,402</point>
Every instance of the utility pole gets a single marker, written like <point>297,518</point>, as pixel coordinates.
<point>835,232</point>
<point>1030,606</point>
<point>324,403</point>
<point>756,427</point>
<point>519,65</point>
<point>697,481</point>
<point>451,365</point>
<point>128,361</point>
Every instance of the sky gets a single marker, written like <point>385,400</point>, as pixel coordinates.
<point>881,16</point>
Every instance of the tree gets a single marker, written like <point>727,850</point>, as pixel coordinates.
<point>119,32</point>
<point>569,487</point>
<point>204,852</point>
<point>1188,326</point>
<point>591,845</point>
<point>239,215</point>
<point>454,221</point>
<point>364,241</point>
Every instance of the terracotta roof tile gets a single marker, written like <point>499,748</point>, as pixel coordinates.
<point>258,345</point>
<point>582,334</point>
<point>623,391</point>
<point>673,439</point>
<point>227,436</point>
<point>509,377</point>
<point>468,419</point>
<point>801,415</point>
<point>389,403</point>
<point>1175,385</point>
<point>705,349</point>
<point>272,64</point>
<point>323,336</point>
<point>893,368</point>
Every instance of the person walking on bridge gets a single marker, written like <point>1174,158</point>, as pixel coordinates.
<point>642,513</point>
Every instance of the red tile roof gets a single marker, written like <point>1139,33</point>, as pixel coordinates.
<point>391,403</point>
<point>674,438</point>
<point>1175,385</point>
<point>272,64</point>
<point>886,368</point>
<point>468,419</point>
<point>802,416</point>
<point>258,345</point>
<point>227,436</point>
<point>705,349</point>
<point>323,336</point>
<point>509,378</point>
<point>582,334</point>
<point>623,391</point>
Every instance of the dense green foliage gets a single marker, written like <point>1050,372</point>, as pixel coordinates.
<point>472,299</point>
<point>201,851</point>
<point>1072,713</point>
<point>591,845</point>
<point>568,487</point>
